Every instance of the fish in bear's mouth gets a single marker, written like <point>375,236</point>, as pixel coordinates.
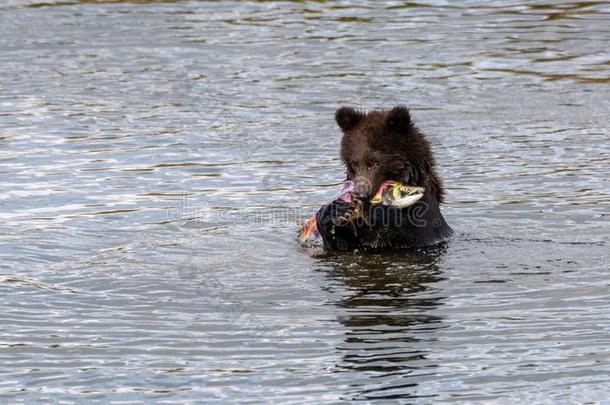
<point>390,193</point>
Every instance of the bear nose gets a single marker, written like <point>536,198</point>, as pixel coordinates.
<point>362,188</point>
<point>361,195</point>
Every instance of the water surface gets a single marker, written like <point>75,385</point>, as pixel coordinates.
<point>156,158</point>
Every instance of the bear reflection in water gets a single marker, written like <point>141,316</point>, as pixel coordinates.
<point>388,304</point>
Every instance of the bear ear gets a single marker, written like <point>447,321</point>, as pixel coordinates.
<point>347,118</point>
<point>399,119</point>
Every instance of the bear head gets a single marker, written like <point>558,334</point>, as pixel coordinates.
<point>385,145</point>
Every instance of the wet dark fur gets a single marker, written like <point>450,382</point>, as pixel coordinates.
<point>378,146</point>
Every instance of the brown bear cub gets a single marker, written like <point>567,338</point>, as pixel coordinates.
<point>379,146</point>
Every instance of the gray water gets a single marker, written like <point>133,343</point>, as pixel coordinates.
<point>156,159</point>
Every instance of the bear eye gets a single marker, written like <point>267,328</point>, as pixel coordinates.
<point>373,164</point>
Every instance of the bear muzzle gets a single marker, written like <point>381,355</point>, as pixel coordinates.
<point>363,188</point>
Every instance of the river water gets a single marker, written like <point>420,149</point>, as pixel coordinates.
<point>156,158</point>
